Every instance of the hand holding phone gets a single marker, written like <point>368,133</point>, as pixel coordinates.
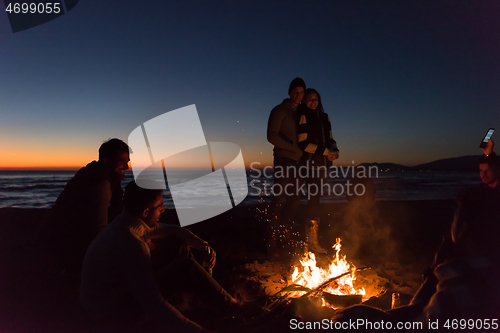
<point>488,135</point>
<point>489,148</point>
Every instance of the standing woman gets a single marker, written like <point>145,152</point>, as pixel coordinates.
<point>319,150</point>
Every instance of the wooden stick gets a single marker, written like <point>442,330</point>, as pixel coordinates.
<point>326,283</point>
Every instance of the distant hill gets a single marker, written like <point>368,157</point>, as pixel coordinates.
<point>463,163</point>
<point>387,166</point>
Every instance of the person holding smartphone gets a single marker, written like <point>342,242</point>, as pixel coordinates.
<point>319,151</point>
<point>489,166</point>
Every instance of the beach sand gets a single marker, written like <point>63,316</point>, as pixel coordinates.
<point>397,239</point>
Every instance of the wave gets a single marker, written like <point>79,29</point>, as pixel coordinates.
<point>15,187</point>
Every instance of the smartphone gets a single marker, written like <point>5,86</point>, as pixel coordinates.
<point>486,138</point>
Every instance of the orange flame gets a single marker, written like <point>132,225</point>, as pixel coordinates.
<point>311,276</point>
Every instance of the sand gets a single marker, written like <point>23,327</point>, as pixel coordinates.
<point>396,238</point>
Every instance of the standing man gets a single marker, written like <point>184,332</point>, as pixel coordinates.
<point>89,201</point>
<point>282,133</point>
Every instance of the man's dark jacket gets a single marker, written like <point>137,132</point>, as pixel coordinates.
<point>89,201</point>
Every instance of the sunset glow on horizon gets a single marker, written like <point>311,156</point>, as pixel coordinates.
<point>35,160</point>
<point>401,83</point>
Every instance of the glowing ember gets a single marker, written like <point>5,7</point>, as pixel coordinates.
<point>311,276</point>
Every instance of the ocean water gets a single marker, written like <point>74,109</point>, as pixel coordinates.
<point>392,185</point>
<point>39,189</point>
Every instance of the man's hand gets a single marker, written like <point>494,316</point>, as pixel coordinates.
<point>209,255</point>
<point>333,155</point>
<point>489,147</point>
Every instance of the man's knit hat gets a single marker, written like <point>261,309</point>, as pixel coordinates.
<point>297,82</point>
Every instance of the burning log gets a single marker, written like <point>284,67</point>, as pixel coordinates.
<point>335,301</point>
<point>325,284</point>
<point>314,289</point>
<point>318,279</point>
<point>342,301</point>
<point>292,288</point>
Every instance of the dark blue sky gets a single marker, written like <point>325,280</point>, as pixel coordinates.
<point>402,81</point>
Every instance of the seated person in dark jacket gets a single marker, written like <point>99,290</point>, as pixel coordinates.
<point>467,277</point>
<point>119,284</point>
<point>462,283</point>
<point>89,201</point>
<point>465,273</point>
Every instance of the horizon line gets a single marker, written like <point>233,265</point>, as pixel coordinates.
<point>247,167</point>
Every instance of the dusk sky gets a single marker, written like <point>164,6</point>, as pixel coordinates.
<point>406,82</point>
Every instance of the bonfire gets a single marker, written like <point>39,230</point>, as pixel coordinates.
<point>334,284</point>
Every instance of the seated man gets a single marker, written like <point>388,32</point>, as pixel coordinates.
<point>462,282</point>
<point>89,201</point>
<point>118,280</point>
<point>466,269</point>
<point>489,167</point>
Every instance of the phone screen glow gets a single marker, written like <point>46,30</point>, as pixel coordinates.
<point>488,135</point>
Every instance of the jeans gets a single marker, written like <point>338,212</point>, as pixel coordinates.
<point>286,198</point>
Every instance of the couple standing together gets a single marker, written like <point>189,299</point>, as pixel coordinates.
<point>301,133</point>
